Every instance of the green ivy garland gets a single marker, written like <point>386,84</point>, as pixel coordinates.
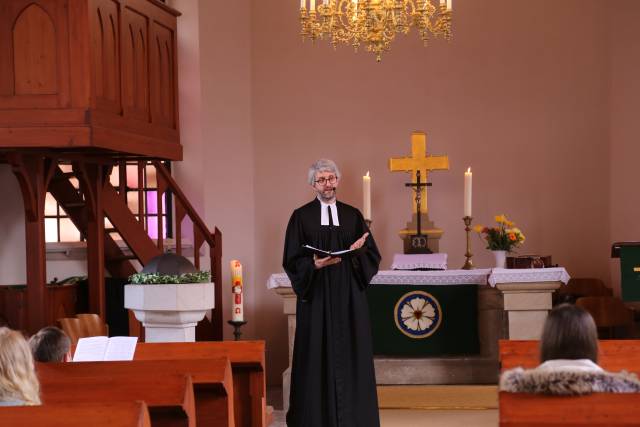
<point>162,279</point>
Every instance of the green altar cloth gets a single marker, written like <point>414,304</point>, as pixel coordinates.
<point>424,320</point>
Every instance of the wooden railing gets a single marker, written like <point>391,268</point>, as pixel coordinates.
<point>201,234</point>
<point>182,209</point>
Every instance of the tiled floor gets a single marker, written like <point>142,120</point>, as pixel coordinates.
<point>415,418</point>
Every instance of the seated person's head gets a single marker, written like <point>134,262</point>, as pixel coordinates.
<point>18,380</point>
<point>569,333</point>
<point>50,344</point>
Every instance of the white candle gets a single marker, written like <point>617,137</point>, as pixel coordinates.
<point>467,192</point>
<point>449,5</point>
<point>302,4</point>
<point>442,2</point>
<point>237,315</point>
<point>313,5</point>
<point>366,196</point>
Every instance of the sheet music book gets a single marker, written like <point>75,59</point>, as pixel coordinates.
<point>95,349</point>
<point>336,254</point>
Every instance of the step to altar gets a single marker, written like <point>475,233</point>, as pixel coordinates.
<point>436,370</point>
<point>438,397</point>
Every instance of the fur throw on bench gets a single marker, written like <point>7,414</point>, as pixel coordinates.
<point>567,382</point>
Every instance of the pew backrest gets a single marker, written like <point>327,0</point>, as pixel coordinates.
<point>170,398</point>
<point>598,409</point>
<point>112,414</point>
<point>613,355</point>
<point>247,360</point>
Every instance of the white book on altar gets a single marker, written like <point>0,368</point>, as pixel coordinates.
<point>96,349</point>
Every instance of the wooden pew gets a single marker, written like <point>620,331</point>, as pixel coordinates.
<point>598,409</point>
<point>247,363</point>
<point>613,355</point>
<point>212,380</point>
<point>114,414</point>
<point>169,397</point>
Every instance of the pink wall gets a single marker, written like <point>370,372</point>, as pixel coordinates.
<point>625,127</point>
<point>520,95</point>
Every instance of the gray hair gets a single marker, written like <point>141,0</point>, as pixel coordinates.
<point>322,165</point>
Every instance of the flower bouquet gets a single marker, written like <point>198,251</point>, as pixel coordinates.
<point>504,237</point>
<point>501,239</point>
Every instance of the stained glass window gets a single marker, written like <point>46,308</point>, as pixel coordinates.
<point>142,201</point>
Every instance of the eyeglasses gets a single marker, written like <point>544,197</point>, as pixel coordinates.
<point>331,180</point>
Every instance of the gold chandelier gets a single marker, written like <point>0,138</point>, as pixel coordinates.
<point>373,23</point>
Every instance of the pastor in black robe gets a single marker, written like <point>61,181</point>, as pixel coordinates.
<point>332,379</point>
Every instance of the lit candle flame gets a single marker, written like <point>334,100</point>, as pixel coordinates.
<point>367,173</point>
<point>469,169</point>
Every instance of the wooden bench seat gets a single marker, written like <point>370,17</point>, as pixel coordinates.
<point>247,363</point>
<point>212,380</point>
<point>169,397</point>
<point>597,409</point>
<point>112,414</point>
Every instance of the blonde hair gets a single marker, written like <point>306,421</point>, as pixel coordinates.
<point>18,380</point>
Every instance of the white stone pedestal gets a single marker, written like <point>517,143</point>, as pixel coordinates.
<point>526,306</point>
<point>170,313</point>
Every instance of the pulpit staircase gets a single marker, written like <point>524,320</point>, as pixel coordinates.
<point>128,227</point>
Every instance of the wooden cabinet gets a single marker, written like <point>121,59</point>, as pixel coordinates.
<point>89,73</point>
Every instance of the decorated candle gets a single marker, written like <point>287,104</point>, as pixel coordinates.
<point>467,192</point>
<point>236,291</point>
<point>366,196</point>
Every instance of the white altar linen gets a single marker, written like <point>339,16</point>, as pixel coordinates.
<point>414,261</point>
<point>480,276</point>
<point>528,275</point>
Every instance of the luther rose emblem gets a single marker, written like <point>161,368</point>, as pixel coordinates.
<point>417,314</point>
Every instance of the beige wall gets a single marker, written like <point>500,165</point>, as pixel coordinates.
<point>523,94</point>
<point>520,95</point>
<point>624,206</point>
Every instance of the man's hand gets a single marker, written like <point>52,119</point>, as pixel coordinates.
<point>360,242</point>
<point>325,262</point>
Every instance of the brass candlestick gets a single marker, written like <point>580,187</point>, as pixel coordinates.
<point>468,264</point>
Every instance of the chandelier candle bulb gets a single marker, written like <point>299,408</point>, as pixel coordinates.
<point>302,4</point>
<point>366,196</point>
<point>467,192</point>
<point>449,5</point>
<point>313,5</point>
<point>236,291</point>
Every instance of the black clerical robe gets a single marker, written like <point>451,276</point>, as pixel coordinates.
<point>332,378</point>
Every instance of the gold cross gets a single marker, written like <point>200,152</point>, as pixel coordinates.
<point>419,161</point>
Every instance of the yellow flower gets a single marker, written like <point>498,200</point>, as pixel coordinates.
<point>501,219</point>
<point>478,228</point>
<point>509,223</point>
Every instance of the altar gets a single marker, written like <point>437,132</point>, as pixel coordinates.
<point>509,303</point>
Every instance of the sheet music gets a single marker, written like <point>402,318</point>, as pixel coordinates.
<point>90,349</point>
<point>97,349</point>
<point>121,348</point>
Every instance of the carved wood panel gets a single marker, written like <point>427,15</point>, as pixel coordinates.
<point>34,54</point>
<point>105,40</point>
<point>135,65</point>
<point>163,81</point>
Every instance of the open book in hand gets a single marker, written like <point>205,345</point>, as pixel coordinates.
<point>95,349</point>
<point>336,254</point>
